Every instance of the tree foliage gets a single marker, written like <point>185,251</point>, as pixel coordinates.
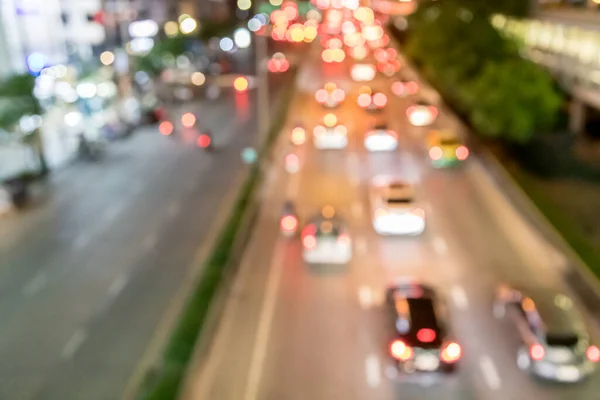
<point>17,99</point>
<point>480,70</point>
<point>514,99</point>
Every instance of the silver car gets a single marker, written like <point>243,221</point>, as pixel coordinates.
<point>556,344</point>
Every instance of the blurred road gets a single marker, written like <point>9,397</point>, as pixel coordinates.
<point>290,331</point>
<point>87,275</point>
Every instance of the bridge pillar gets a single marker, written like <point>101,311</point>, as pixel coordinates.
<point>577,116</point>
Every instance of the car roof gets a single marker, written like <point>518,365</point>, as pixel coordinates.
<point>399,189</point>
<point>557,312</point>
<point>416,309</point>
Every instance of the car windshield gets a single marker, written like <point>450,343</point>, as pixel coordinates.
<point>399,200</point>
<point>328,228</point>
<point>423,316</point>
<point>449,142</point>
<point>567,340</point>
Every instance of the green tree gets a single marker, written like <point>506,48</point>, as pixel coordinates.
<point>513,100</point>
<point>16,101</point>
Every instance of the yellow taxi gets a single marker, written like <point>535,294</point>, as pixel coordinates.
<point>446,149</point>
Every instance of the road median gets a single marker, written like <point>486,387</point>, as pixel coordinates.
<point>164,379</point>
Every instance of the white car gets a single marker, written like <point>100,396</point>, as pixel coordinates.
<point>381,138</point>
<point>330,96</point>
<point>326,241</point>
<point>330,138</point>
<point>421,114</point>
<point>395,210</point>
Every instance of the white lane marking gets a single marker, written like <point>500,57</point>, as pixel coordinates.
<point>361,245</point>
<point>82,240</point>
<point>490,374</point>
<point>439,245</point>
<point>174,208</point>
<point>73,344</point>
<point>459,296</point>
<point>373,370</point>
<point>357,210</point>
<point>117,286</point>
<point>35,284</point>
<point>259,352</point>
<point>150,241</point>
<point>365,297</point>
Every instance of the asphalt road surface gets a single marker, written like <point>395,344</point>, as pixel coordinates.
<point>290,331</point>
<point>87,274</point>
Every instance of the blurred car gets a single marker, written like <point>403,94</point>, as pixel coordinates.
<point>278,63</point>
<point>405,88</point>
<point>325,239</point>
<point>330,95</point>
<point>395,208</point>
<point>424,348</point>
<point>446,149</point>
<point>421,114</point>
<point>381,138</point>
<point>371,101</point>
<point>363,72</point>
<point>388,68</point>
<point>330,138</point>
<point>555,342</point>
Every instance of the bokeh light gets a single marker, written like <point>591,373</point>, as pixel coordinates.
<point>171,29</point>
<point>198,78</point>
<point>242,38</point>
<point>226,44</point>
<point>240,84</point>
<point>244,4</point>
<point>330,120</point>
<point>254,24</point>
<point>188,25</point>
<point>107,58</point>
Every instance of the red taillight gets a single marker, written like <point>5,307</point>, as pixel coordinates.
<point>339,95</point>
<point>379,99</point>
<point>309,241</point>
<point>426,335</point>
<point>537,352</point>
<point>289,223</point>
<point>462,153</point>
<point>203,141</point>
<point>321,95</point>
<point>391,53</point>
<point>411,87</point>
<point>364,100</point>
<point>272,65</point>
<point>344,239</point>
<point>398,88</point>
<point>380,55</point>
<point>401,351</point>
<point>165,128</point>
<point>410,110</point>
<point>435,153</point>
<point>434,111</point>
<point>593,353</point>
<point>284,66</point>
<point>451,353</point>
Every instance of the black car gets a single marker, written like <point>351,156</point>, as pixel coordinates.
<point>423,344</point>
